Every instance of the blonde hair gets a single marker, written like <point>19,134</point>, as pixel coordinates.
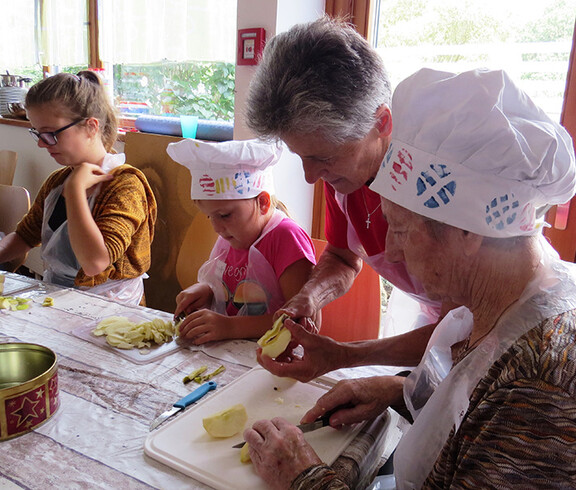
<point>275,203</point>
<point>79,96</point>
<point>278,204</point>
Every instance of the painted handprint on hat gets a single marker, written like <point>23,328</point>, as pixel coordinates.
<point>436,185</point>
<point>501,212</point>
<point>242,182</point>
<point>528,218</point>
<point>207,185</point>
<point>401,166</point>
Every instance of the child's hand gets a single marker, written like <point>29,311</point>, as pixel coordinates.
<point>205,326</point>
<point>193,298</point>
<point>86,176</point>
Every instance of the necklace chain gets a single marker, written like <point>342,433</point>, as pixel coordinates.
<point>368,214</point>
<point>466,348</point>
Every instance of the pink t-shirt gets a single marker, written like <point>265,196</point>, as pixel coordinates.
<point>281,247</point>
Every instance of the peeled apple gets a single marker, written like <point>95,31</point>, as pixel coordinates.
<point>227,422</point>
<point>275,340</point>
<point>245,454</point>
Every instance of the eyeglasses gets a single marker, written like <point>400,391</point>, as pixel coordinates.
<point>49,137</point>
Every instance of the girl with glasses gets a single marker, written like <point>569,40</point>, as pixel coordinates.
<point>94,218</point>
<point>261,257</point>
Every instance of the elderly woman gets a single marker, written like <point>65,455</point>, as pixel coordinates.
<point>323,90</point>
<point>494,398</point>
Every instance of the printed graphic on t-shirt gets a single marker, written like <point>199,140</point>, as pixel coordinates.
<point>249,294</point>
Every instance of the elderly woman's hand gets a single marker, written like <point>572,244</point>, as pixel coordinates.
<point>301,307</point>
<point>369,397</point>
<point>279,452</point>
<point>320,355</point>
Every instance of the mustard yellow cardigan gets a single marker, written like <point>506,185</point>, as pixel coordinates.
<point>124,211</point>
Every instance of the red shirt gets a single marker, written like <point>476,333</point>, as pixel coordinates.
<point>360,204</point>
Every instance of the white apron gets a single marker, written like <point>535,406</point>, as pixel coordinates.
<point>258,271</point>
<point>61,266</point>
<point>446,392</point>
<point>407,309</point>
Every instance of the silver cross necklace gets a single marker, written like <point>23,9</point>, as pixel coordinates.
<point>368,222</point>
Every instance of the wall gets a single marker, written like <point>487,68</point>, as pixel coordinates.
<point>277,16</point>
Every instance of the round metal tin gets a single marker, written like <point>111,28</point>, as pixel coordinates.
<point>28,387</point>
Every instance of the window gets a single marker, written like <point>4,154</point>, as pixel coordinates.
<point>530,39</point>
<point>46,33</point>
<point>171,56</point>
<point>157,56</point>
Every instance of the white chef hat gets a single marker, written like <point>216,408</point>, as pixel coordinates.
<point>227,170</point>
<point>472,150</point>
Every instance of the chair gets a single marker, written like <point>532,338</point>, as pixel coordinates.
<point>14,204</point>
<point>356,314</point>
<point>184,236</point>
<point>8,161</point>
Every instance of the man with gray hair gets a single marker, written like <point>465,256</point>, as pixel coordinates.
<point>323,90</point>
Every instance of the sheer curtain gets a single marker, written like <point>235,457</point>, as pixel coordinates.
<point>146,31</point>
<point>18,46</point>
<point>62,32</point>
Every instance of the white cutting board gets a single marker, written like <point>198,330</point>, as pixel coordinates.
<point>184,445</point>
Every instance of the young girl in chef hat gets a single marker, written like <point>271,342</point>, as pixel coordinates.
<point>261,257</point>
<point>95,216</point>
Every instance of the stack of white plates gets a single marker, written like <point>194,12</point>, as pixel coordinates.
<point>9,95</point>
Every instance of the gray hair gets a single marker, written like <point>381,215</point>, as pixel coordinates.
<point>318,77</point>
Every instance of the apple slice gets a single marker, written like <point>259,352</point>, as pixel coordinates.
<point>276,340</point>
<point>226,423</point>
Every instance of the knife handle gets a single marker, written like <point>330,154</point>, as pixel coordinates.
<point>326,417</point>
<point>195,395</point>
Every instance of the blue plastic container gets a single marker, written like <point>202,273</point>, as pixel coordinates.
<point>171,125</point>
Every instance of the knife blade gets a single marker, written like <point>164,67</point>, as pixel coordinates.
<point>184,402</point>
<point>320,422</point>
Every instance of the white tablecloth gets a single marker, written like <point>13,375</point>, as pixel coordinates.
<point>96,438</point>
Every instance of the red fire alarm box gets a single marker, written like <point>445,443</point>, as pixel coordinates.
<point>250,45</point>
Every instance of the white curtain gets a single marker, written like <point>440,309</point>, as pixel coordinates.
<point>18,47</point>
<point>63,32</point>
<point>146,31</point>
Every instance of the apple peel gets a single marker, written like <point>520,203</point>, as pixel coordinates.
<point>275,341</point>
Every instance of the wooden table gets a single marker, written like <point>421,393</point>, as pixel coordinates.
<point>96,438</point>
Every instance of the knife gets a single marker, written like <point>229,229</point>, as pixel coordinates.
<point>183,403</point>
<point>320,422</point>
